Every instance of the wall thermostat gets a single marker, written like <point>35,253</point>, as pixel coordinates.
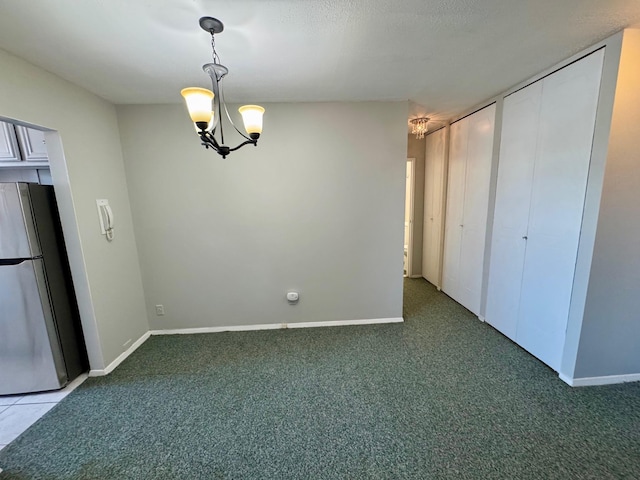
<point>293,297</point>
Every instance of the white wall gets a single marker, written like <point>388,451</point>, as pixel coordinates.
<point>611,326</point>
<point>86,163</point>
<point>316,207</point>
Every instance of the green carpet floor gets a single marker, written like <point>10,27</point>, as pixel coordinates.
<point>440,396</point>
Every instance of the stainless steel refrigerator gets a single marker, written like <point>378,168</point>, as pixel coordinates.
<point>41,345</point>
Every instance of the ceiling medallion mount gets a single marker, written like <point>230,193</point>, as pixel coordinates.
<point>206,106</point>
<point>211,25</point>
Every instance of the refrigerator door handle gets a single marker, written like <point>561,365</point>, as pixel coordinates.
<point>16,261</point>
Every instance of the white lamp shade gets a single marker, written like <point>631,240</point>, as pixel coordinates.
<point>198,103</point>
<point>252,117</point>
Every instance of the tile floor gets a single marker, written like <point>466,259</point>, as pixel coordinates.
<point>19,412</point>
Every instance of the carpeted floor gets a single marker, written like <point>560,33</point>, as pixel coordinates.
<point>440,396</point>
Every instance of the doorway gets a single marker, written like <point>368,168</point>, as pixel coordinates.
<point>408,216</point>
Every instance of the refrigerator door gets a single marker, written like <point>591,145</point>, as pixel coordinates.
<point>18,238</point>
<point>30,356</point>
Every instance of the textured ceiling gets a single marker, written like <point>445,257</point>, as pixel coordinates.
<point>442,55</point>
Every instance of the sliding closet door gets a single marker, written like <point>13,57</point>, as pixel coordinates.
<point>476,204</point>
<point>459,136</point>
<point>567,120</point>
<point>511,215</point>
<point>433,193</point>
<point>470,156</point>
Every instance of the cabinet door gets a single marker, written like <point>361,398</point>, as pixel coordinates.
<point>33,145</point>
<point>8,144</point>
<point>511,215</point>
<point>455,204</point>
<point>432,227</point>
<point>475,206</point>
<point>567,120</point>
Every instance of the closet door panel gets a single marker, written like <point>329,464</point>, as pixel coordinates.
<point>476,200</point>
<point>513,196</point>
<point>546,294</point>
<point>503,297</point>
<point>567,120</point>
<point>428,213</point>
<point>454,207</point>
<point>438,206</point>
<point>434,163</point>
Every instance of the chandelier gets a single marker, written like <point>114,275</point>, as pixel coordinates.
<point>206,106</point>
<point>419,127</point>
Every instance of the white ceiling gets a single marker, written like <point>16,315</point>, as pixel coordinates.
<point>442,55</point>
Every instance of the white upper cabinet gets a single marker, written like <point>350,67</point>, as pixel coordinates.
<point>22,147</point>
<point>32,144</point>
<point>8,144</point>
<point>542,179</point>
<point>435,162</point>
<point>470,158</point>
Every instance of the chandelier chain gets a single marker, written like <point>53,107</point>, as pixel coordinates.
<point>216,58</point>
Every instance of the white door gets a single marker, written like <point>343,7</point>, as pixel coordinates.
<point>433,192</point>
<point>476,204</point>
<point>567,120</point>
<point>470,157</point>
<point>511,215</point>
<point>455,203</point>
<point>408,218</point>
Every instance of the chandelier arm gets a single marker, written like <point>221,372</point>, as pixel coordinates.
<point>250,141</point>
<point>226,110</point>
<point>208,139</point>
<point>215,87</point>
<point>216,104</point>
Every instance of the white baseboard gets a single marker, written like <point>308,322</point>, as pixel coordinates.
<point>121,358</point>
<point>606,380</point>
<point>481,318</point>
<point>274,326</point>
<point>416,276</point>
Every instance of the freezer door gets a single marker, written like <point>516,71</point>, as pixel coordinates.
<point>30,356</point>
<point>18,237</point>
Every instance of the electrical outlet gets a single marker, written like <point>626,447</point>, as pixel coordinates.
<point>159,310</point>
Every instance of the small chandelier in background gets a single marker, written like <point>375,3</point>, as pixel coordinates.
<point>207,117</point>
<point>419,127</point>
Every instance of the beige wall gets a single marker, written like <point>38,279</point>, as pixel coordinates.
<point>86,163</point>
<point>316,207</point>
